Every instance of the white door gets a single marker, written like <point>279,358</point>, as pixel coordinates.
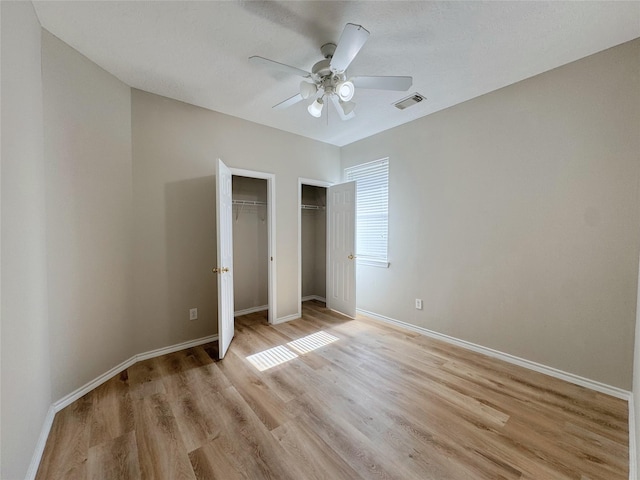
<point>224,269</point>
<point>341,248</point>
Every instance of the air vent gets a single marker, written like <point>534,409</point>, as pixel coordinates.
<point>409,101</point>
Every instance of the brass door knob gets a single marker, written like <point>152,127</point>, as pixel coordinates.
<point>351,257</point>
<point>215,270</point>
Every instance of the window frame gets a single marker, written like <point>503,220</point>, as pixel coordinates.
<point>349,173</point>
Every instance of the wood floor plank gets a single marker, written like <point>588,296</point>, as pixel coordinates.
<point>247,440</point>
<point>67,448</point>
<point>266,402</point>
<point>192,411</point>
<point>215,462</point>
<point>377,401</point>
<point>161,452</point>
<point>112,414</point>
<point>145,379</point>
<point>115,459</point>
<point>321,462</point>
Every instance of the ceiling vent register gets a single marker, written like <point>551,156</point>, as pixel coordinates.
<point>409,101</point>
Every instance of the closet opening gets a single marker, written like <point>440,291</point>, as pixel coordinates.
<point>251,249</point>
<point>313,241</point>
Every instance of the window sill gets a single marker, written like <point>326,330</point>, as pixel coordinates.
<point>373,263</point>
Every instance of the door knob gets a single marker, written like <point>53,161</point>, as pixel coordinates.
<point>220,269</point>
<point>224,269</point>
<point>351,257</point>
<point>215,270</point>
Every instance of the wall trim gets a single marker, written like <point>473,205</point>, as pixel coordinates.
<point>271,235</point>
<point>314,297</point>
<point>42,442</point>
<point>96,382</point>
<point>633,457</point>
<point>247,311</point>
<point>176,348</point>
<point>288,318</point>
<point>538,367</point>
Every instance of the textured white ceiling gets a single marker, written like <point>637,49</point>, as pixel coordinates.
<point>197,51</point>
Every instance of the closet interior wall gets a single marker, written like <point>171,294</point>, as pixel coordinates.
<point>314,242</point>
<point>250,244</point>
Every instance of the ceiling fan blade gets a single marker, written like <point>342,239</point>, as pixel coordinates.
<point>288,102</point>
<point>336,103</point>
<point>383,83</point>
<point>265,62</point>
<point>351,41</point>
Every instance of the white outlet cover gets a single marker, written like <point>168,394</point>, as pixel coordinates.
<point>193,314</point>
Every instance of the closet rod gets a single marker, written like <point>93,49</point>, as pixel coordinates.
<point>247,202</point>
<point>312,207</point>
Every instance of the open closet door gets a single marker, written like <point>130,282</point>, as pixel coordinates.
<point>341,248</point>
<point>224,217</point>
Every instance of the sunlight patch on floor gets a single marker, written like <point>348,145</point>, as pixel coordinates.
<point>278,355</point>
<point>311,342</point>
<point>272,357</point>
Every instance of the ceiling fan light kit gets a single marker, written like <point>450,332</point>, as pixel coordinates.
<point>307,89</point>
<point>315,109</point>
<point>345,90</point>
<point>328,77</point>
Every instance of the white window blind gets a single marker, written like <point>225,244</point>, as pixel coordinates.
<point>372,210</point>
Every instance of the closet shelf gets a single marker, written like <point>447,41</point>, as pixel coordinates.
<point>312,207</point>
<point>248,202</point>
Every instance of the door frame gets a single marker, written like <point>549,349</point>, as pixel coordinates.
<point>313,183</point>
<point>271,232</point>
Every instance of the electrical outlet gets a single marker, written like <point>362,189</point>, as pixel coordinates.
<point>193,314</point>
<point>418,304</point>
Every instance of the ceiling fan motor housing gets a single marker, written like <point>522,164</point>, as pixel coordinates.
<point>322,68</point>
<point>327,80</point>
<point>328,49</point>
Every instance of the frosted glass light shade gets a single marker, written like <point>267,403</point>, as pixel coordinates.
<point>345,90</point>
<point>315,109</point>
<point>307,89</point>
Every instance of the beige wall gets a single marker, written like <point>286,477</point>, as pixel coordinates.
<point>250,245</point>
<point>26,383</point>
<point>87,146</point>
<point>175,146</point>
<point>514,216</point>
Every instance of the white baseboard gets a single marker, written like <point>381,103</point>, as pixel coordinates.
<point>96,382</point>
<point>538,367</point>
<point>176,348</point>
<point>42,442</point>
<point>247,311</point>
<point>314,297</point>
<point>288,318</point>
<point>633,457</point>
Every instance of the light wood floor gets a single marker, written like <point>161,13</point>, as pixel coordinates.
<point>378,402</point>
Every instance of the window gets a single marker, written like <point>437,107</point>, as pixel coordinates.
<point>372,211</point>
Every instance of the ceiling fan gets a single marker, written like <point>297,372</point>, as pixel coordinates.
<point>328,78</point>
